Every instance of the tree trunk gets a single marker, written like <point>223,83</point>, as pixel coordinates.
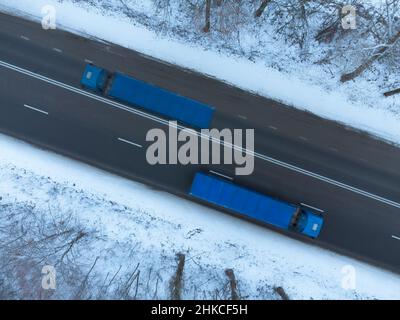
<point>262,7</point>
<point>282,293</point>
<point>208,14</point>
<point>327,34</point>
<point>392,93</point>
<point>232,283</point>
<point>177,279</point>
<point>366,64</point>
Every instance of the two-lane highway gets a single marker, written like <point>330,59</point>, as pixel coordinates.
<point>299,157</point>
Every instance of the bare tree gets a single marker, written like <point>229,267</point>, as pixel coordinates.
<point>176,281</point>
<point>366,64</point>
<point>281,292</point>
<point>392,92</point>
<point>232,284</point>
<point>291,20</point>
<point>261,8</point>
<point>207,24</point>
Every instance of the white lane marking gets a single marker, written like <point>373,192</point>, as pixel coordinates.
<point>108,49</point>
<point>25,38</point>
<point>242,117</point>
<point>303,138</point>
<point>202,135</point>
<point>88,61</point>
<point>57,50</point>
<point>35,109</point>
<point>273,128</point>
<point>130,142</point>
<point>311,207</point>
<point>394,237</point>
<point>333,149</point>
<point>220,174</point>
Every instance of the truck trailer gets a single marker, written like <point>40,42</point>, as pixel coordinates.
<point>147,97</point>
<point>255,206</point>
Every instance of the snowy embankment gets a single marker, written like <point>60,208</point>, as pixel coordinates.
<point>101,231</point>
<point>305,85</point>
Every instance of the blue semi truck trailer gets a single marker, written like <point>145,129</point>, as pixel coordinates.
<point>254,205</point>
<point>147,96</point>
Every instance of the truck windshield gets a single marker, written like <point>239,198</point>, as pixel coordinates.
<point>301,221</point>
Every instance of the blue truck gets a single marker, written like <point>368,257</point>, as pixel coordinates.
<point>254,205</point>
<point>147,96</point>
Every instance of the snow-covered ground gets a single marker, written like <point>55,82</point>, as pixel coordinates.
<point>47,201</point>
<point>276,72</point>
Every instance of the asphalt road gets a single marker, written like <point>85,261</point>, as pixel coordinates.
<point>301,158</point>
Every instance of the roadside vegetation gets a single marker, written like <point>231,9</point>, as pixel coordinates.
<point>313,27</point>
<point>282,33</point>
<point>90,263</point>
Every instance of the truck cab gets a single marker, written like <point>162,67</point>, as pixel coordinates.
<point>307,222</point>
<point>94,78</point>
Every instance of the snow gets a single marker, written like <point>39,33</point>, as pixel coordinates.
<point>360,106</point>
<point>123,215</point>
<point>130,223</point>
